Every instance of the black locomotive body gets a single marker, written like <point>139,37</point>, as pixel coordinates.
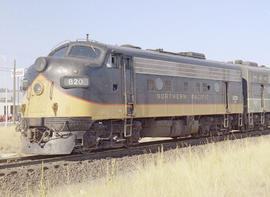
<point>88,95</point>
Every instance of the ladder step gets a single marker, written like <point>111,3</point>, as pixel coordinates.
<point>120,140</point>
<point>128,123</point>
<point>130,109</point>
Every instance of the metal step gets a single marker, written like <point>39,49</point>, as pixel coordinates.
<point>226,121</point>
<point>128,127</point>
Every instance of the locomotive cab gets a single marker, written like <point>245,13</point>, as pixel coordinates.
<point>56,105</point>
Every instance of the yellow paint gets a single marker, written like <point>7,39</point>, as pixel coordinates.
<point>185,110</point>
<point>68,106</point>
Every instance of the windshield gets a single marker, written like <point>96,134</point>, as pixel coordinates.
<point>60,52</point>
<point>85,51</point>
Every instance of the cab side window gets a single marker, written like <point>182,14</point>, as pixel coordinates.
<point>113,61</point>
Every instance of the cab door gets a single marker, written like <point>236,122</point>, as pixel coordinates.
<point>128,84</point>
<point>262,97</point>
<point>226,96</point>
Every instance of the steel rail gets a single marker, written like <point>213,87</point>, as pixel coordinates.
<point>25,158</point>
<point>142,148</point>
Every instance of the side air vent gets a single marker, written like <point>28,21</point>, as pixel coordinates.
<point>192,54</point>
<point>130,46</point>
<point>246,63</point>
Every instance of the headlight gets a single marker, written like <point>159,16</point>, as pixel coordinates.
<point>40,64</point>
<point>38,88</point>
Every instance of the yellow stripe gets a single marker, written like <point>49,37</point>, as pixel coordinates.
<point>69,106</point>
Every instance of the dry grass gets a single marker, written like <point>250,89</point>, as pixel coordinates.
<point>233,168</point>
<point>9,140</point>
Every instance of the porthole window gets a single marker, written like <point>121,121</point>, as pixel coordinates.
<point>158,84</point>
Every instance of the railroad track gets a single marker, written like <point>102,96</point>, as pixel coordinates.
<point>142,148</point>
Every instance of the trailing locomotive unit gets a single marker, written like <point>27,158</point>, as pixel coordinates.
<point>88,95</point>
<point>256,91</point>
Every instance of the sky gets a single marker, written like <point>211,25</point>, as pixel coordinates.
<point>222,30</point>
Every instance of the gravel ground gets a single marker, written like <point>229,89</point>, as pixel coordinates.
<point>19,181</point>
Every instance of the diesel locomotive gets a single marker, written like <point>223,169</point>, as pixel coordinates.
<point>87,95</point>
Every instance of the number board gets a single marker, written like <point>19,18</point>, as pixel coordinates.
<point>75,82</point>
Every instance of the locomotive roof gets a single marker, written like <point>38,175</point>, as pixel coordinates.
<point>155,55</point>
<point>255,68</point>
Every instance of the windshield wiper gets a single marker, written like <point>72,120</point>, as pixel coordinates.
<point>93,49</point>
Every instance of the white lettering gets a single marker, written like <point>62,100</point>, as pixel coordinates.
<point>70,82</point>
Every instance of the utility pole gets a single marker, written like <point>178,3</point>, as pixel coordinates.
<point>18,92</point>
<point>14,92</point>
<point>6,108</point>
